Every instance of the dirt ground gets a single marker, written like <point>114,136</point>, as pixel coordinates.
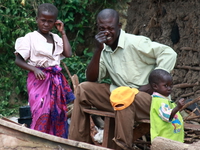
<point>176,24</point>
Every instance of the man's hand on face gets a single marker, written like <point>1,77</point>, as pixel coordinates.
<point>101,38</point>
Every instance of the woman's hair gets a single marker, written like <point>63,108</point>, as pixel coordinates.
<point>156,76</point>
<point>48,8</point>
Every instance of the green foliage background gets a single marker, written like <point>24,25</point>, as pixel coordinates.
<point>17,19</point>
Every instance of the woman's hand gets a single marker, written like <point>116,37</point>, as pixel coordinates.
<point>39,74</point>
<point>60,26</point>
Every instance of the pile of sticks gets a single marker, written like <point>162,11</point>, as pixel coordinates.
<point>192,123</point>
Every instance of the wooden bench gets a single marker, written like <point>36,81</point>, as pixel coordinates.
<point>142,127</point>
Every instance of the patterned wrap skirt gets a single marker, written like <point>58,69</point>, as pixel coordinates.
<point>48,101</point>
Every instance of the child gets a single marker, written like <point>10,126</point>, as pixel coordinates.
<point>165,118</point>
<point>48,89</point>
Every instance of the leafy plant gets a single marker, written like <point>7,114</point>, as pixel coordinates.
<point>18,18</point>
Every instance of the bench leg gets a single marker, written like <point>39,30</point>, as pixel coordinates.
<point>106,132</point>
<point>108,135</point>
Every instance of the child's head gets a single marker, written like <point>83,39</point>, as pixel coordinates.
<point>48,8</point>
<point>46,17</point>
<point>161,81</point>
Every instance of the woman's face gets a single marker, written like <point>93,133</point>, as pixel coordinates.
<point>45,22</point>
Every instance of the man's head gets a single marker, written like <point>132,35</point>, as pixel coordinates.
<point>108,22</point>
<point>161,81</point>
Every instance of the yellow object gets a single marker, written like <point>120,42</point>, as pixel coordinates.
<point>122,97</point>
<point>23,2</point>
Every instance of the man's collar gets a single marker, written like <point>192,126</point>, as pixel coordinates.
<point>120,42</point>
<point>121,39</point>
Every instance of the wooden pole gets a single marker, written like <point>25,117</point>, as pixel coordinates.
<point>188,67</point>
<point>74,78</point>
<point>190,103</point>
<point>66,68</point>
<point>185,85</point>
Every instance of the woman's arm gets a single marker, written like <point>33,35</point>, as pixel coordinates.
<point>67,51</point>
<point>19,61</point>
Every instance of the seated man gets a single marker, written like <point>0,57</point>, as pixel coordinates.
<point>128,60</point>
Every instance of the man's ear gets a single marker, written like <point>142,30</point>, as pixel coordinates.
<point>120,25</point>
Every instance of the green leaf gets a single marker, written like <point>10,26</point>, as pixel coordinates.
<point>17,89</point>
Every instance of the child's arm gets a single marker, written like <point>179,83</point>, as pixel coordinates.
<point>67,51</point>
<point>19,61</point>
<point>177,108</point>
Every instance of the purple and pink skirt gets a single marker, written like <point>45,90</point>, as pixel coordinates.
<point>48,101</point>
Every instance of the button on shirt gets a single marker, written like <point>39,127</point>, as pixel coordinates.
<point>34,48</point>
<point>132,61</point>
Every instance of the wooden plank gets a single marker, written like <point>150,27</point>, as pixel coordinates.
<point>108,114</point>
<point>194,127</point>
<point>161,143</point>
<point>23,137</point>
<point>99,112</point>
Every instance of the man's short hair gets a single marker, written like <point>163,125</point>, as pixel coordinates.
<point>108,12</point>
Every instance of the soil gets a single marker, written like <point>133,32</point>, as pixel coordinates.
<point>176,24</point>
